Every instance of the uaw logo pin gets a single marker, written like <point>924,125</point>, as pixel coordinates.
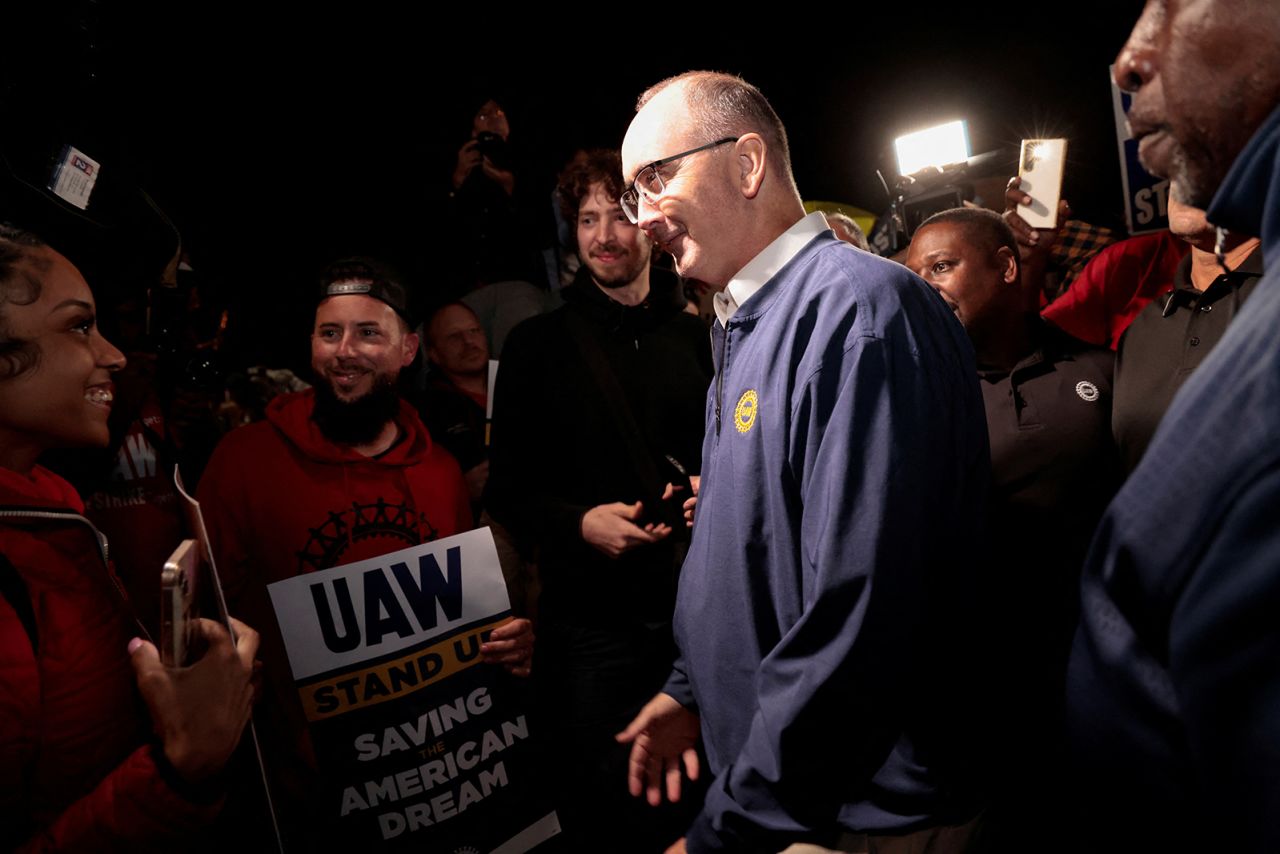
<point>744,414</point>
<point>1088,391</point>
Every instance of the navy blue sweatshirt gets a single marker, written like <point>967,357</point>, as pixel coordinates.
<point>821,607</point>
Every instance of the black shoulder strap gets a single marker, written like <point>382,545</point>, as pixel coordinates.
<point>606,380</point>
<point>14,590</point>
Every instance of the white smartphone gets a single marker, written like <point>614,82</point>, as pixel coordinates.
<point>1040,167</point>
<point>177,603</point>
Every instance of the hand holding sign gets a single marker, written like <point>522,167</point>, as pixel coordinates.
<point>510,645</point>
<point>419,744</point>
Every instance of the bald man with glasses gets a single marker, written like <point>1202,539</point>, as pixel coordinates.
<point>822,609</point>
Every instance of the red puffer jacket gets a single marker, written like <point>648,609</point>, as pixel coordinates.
<point>76,768</point>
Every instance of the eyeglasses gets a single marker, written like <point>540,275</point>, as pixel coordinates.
<point>649,183</point>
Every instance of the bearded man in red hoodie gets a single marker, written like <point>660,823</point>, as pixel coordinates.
<point>343,472</point>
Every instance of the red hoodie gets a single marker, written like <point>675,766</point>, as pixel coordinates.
<point>76,771</point>
<point>279,499</point>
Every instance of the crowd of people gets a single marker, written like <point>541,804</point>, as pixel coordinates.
<point>807,549</point>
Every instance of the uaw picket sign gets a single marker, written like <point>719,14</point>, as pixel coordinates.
<point>422,745</point>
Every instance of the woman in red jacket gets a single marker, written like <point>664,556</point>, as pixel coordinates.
<point>83,764</point>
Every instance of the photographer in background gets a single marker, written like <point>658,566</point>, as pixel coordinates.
<point>487,149</point>
<point>491,237</point>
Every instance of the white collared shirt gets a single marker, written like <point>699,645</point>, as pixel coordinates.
<point>764,266</point>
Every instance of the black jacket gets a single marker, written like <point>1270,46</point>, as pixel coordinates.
<point>557,450</point>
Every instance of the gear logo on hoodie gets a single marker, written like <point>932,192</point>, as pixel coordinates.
<point>364,531</point>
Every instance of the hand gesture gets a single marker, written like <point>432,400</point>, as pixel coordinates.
<point>612,528</point>
<point>662,738</point>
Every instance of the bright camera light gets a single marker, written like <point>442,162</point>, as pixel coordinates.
<point>936,146</point>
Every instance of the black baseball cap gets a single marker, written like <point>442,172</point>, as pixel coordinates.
<point>367,277</point>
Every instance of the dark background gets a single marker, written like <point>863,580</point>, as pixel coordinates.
<point>278,138</point>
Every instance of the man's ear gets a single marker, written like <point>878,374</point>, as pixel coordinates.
<point>409,349</point>
<point>1007,264</point>
<point>752,160</point>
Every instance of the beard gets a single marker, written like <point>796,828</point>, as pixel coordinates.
<point>359,421</point>
<point>620,275</point>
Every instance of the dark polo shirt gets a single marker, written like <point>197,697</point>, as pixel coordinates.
<point>1165,343</point>
<point>1054,469</point>
<point>1049,419</point>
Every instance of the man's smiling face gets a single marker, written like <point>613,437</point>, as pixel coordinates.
<point>693,217</point>
<point>615,251</point>
<point>357,342</point>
